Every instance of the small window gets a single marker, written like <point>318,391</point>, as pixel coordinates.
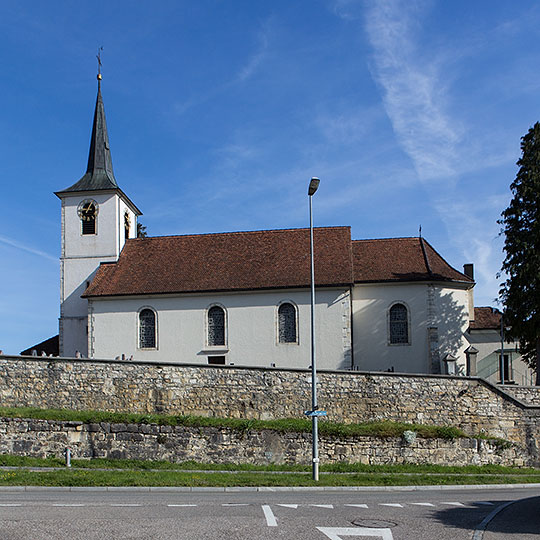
<point>216,326</point>
<point>399,325</point>
<point>147,329</point>
<point>505,369</point>
<point>127,224</point>
<point>88,212</point>
<point>216,360</point>
<point>287,323</point>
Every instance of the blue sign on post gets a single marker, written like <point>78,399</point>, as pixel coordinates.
<point>315,413</point>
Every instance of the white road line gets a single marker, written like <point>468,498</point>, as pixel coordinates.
<point>393,505</point>
<point>339,533</point>
<point>10,504</point>
<point>479,531</point>
<point>358,505</point>
<point>60,504</point>
<point>235,504</point>
<point>181,505</point>
<point>128,505</point>
<point>322,505</point>
<point>453,503</point>
<point>289,505</point>
<point>422,504</point>
<point>271,520</point>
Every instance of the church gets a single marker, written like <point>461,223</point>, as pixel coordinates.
<point>243,298</point>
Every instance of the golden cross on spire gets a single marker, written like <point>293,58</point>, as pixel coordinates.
<point>98,56</point>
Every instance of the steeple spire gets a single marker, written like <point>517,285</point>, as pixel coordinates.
<point>99,172</point>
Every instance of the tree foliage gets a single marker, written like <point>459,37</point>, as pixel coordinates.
<point>520,293</point>
<point>141,230</point>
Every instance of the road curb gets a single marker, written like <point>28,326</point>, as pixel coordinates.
<point>236,489</point>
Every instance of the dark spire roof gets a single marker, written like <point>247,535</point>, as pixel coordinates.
<point>99,172</point>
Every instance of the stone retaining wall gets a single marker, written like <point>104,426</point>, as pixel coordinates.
<point>43,438</point>
<point>224,391</point>
<point>527,394</point>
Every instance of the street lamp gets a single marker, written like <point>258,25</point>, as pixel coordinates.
<point>313,185</point>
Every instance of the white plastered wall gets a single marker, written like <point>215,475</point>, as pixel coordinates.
<point>252,328</point>
<point>430,305</point>
<point>488,343</point>
<point>80,258</point>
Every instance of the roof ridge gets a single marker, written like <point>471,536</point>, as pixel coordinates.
<point>424,253</point>
<point>231,233</point>
<point>468,279</point>
<point>383,239</point>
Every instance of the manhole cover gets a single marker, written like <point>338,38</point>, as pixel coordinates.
<point>374,523</point>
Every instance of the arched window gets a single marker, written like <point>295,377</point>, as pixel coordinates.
<point>399,324</point>
<point>287,323</point>
<point>147,329</point>
<point>216,326</point>
<point>127,224</point>
<point>88,212</point>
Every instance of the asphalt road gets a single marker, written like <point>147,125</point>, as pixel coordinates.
<point>300,515</point>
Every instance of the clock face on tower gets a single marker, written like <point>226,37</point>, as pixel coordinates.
<point>88,211</point>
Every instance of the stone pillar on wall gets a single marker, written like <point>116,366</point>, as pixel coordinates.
<point>471,353</point>
<point>450,364</point>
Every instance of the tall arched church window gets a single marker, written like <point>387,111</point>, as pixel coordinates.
<point>127,224</point>
<point>216,326</point>
<point>88,214</point>
<point>147,329</point>
<point>399,324</point>
<point>287,323</point>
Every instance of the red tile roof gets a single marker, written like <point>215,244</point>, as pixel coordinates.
<point>226,262</point>
<point>486,318</point>
<point>400,259</point>
<point>273,259</point>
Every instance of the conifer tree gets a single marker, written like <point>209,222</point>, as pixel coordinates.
<point>520,293</point>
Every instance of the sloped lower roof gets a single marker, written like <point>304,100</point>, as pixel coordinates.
<point>400,259</point>
<point>49,346</point>
<point>226,262</point>
<point>486,318</point>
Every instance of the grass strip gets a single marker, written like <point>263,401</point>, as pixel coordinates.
<point>218,479</point>
<point>340,468</point>
<point>298,425</point>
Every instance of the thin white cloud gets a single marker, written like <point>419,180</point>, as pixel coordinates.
<point>478,240</point>
<point>28,249</point>
<point>245,72</point>
<point>414,92</point>
<point>257,57</point>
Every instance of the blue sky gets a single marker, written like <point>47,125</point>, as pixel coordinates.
<point>219,113</point>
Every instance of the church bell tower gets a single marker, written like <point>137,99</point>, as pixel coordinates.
<point>97,219</point>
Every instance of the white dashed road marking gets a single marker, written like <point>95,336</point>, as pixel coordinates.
<point>181,505</point>
<point>68,504</point>
<point>9,504</point>
<point>289,505</point>
<point>358,505</point>
<point>453,503</point>
<point>322,505</point>
<point>235,504</point>
<point>271,520</point>
<point>126,505</point>
<point>423,504</point>
<point>339,533</point>
<point>393,505</point>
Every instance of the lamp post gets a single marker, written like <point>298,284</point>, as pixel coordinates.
<point>313,185</point>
